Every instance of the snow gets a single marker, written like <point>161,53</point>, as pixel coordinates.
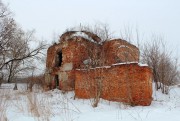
<point>141,64</point>
<point>116,64</point>
<point>103,67</point>
<point>122,46</point>
<point>95,67</point>
<point>82,34</point>
<point>56,105</point>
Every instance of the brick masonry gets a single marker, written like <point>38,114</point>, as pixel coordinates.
<point>75,52</point>
<point>128,83</point>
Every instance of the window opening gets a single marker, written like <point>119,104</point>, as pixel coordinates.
<point>58,59</point>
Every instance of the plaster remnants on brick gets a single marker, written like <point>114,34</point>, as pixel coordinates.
<point>67,67</point>
<point>87,61</point>
<point>63,76</point>
<point>82,62</point>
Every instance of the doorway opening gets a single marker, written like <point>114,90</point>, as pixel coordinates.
<point>57,82</point>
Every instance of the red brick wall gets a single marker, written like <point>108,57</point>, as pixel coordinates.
<point>51,53</point>
<point>77,49</point>
<point>69,83</point>
<point>74,51</point>
<point>129,83</point>
<point>118,51</point>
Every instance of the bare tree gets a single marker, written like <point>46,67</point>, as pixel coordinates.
<point>15,46</point>
<point>96,57</point>
<point>3,10</point>
<point>6,28</point>
<point>157,56</point>
<point>164,66</point>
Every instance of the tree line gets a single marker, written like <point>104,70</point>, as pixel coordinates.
<point>16,54</point>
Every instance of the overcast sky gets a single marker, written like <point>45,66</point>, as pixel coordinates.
<point>151,16</point>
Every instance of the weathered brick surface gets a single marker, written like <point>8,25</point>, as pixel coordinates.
<point>129,83</point>
<point>74,52</point>
<point>69,83</point>
<point>51,54</point>
<point>113,83</point>
<point>118,51</point>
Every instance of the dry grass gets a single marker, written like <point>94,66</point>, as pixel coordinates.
<point>42,106</point>
<point>39,107</point>
<point>3,105</point>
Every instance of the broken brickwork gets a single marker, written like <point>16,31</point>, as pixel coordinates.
<point>73,52</point>
<point>84,50</point>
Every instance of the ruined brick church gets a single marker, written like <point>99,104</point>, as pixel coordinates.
<point>82,62</point>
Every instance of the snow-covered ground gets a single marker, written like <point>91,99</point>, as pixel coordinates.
<point>22,105</point>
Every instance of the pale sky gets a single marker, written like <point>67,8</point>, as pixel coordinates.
<point>151,16</point>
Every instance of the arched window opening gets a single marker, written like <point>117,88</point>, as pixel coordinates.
<point>58,59</point>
